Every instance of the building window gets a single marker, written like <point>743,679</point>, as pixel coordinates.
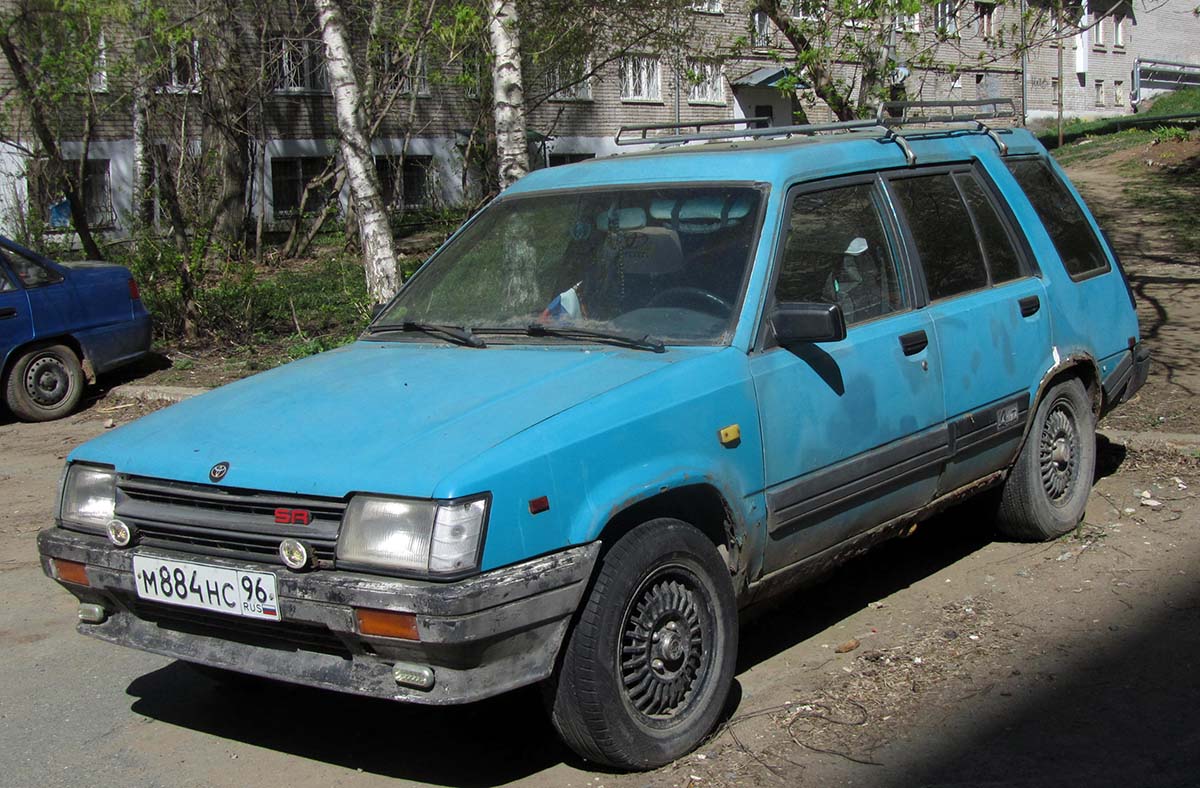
<point>568,83</point>
<point>1099,92</point>
<point>419,72</point>
<point>760,29</point>
<point>985,19</point>
<point>180,72</point>
<point>1098,32</point>
<point>945,17</point>
<point>641,78</point>
<point>291,176</point>
<point>1119,97</point>
<point>909,23</point>
<point>707,6</point>
<point>99,80</point>
<point>405,182</point>
<point>95,192</point>
<point>1118,31</point>
<point>569,158</point>
<point>299,66</point>
<point>707,83</point>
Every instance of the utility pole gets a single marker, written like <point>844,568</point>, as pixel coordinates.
<point>1058,32</point>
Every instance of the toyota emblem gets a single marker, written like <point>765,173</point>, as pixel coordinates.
<point>218,471</point>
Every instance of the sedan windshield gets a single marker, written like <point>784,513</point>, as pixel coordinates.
<point>656,265</point>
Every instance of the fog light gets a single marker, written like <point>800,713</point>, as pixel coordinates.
<point>119,533</point>
<point>295,554</point>
<point>91,613</point>
<point>418,676</point>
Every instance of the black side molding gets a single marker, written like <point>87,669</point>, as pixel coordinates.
<point>914,342</point>
<point>1030,305</point>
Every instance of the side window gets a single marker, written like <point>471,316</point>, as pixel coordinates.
<point>5,285</point>
<point>30,272</point>
<point>1002,259</point>
<point>837,252</point>
<point>1077,245</point>
<point>942,230</point>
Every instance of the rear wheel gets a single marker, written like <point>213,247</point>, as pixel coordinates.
<point>1046,493</point>
<point>44,383</point>
<point>648,666</point>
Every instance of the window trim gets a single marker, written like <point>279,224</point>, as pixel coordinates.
<point>622,72</point>
<point>914,294</point>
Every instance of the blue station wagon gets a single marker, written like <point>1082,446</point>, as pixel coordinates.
<point>625,401</point>
<point>61,325</point>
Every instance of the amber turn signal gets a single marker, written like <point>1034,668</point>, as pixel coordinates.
<point>387,623</point>
<point>70,571</point>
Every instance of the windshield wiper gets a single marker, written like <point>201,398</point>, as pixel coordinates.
<point>645,342</point>
<point>459,334</point>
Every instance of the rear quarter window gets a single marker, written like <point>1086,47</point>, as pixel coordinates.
<point>1080,250</point>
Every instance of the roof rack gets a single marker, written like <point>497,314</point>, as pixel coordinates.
<point>888,114</point>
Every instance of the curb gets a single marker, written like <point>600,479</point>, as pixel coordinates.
<point>170,394</point>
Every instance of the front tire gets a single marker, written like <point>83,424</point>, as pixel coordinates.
<point>1046,493</point>
<point>45,383</point>
<point>648,666</point>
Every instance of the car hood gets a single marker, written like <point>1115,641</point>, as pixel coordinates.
<point>387,417</point>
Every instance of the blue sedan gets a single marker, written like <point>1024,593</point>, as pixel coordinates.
<point>61,324</point>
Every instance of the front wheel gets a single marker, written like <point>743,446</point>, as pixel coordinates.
<point>44,383</point>
<point>648,666</point>
<point>1046,493</point>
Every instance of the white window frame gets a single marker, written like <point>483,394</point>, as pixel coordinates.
<point>945,17</point>
<point>98,83</point>
<point>711,90</point>
<point>422,69</point>
<point>307,51</point>
<point>175,85</point>
<point>581,90</point>
<point>760,30</point>
<point>908,23</point>
<point>1119,31</point>
<point>1098,32</point>
<point>707,7</point>
<point>641,78</point>
<point>1120,99</point>
<point>985,19</point>
<point>1099,88</point>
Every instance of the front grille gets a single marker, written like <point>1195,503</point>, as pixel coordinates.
<point>229,523</point>
<point>277,635</point>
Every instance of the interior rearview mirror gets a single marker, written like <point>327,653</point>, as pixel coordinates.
<point>808,322</point>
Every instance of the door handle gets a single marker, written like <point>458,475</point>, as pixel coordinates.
<point>7,312</point>
<point>914,342</point>
<point>1030,305</point>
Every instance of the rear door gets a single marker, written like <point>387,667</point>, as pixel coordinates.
<point>16,326</point>
<point>989,312</point>
<point>853,431</point>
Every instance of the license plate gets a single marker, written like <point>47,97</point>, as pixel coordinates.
<point>231,591</point>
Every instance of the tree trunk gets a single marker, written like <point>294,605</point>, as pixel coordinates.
<point>379,254</point>
<point>143,202</point>
<point>512,148</point>
<point>819,75</point>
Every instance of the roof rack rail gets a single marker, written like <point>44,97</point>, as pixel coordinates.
<point>888,114</point>
<point>644,138</point>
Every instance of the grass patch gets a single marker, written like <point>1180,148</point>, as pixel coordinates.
<point>1178,103</point>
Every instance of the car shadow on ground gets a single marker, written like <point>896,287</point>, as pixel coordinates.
<point>510,737</point>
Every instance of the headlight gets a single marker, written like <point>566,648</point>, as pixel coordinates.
<point>89,497</point>
<point>403,535</point>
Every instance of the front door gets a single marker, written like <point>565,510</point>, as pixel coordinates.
<point>853,431</point>
<point>16,325</point>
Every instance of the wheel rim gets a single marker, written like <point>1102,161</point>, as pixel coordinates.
<point>666,650</point>
<point>1059,453</point>
<point>47,381</point>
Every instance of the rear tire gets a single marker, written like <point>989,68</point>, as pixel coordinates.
<point>647,668</point>
<point>44,383</point>
<point>1046,493</point>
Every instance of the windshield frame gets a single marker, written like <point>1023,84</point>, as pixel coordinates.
<point>736,315</point>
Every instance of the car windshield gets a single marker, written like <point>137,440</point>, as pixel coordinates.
<point>664,263</point>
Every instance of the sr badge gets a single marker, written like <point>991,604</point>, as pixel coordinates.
<point>218,471</point>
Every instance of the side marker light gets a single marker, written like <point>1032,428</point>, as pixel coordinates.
<point>730,436</point>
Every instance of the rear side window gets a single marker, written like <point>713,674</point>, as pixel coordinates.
<point>30,272</point>
<point>1077,245</point>
<point>5,285</point>
<point>944,235</point>
<point>837,252</point>
<point>1002,259</point>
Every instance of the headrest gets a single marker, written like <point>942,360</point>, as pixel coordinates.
<point>625,218</point>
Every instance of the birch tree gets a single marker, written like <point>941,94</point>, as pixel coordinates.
<point>508,92</point>
<point>375,234</point>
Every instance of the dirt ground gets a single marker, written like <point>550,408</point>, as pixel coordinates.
<point>945,659</point>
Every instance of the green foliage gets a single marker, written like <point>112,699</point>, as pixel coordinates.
<point>1169,134</point>
<point>1176,103</point>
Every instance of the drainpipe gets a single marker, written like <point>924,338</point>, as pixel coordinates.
<point>1024,70</point>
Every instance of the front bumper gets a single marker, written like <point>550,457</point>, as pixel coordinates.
<point>481,636</point>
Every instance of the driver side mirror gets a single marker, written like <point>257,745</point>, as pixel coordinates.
<point>795,323</point>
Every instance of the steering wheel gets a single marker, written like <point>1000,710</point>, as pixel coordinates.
<point>694,296</point>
